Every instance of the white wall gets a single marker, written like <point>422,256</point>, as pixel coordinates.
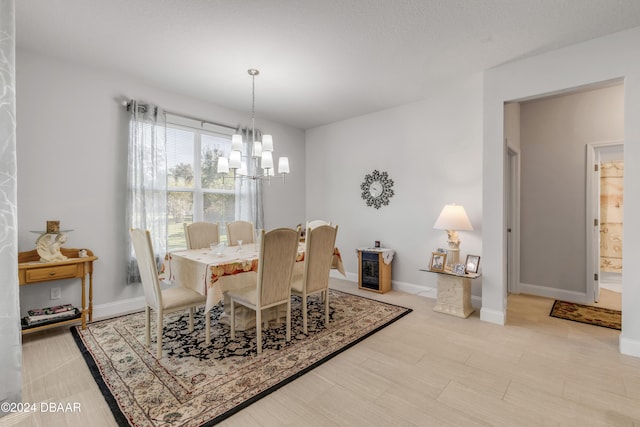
<point>432,151</point>
<point>72,157</point>
<point>603,59</point>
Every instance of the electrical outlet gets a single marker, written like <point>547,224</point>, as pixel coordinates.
<point>55,293</point>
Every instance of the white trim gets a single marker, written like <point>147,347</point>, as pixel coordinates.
<point>351,277</point>
<point>118,308</point>
<point>561,294</point>
<point>493,316</point>
<point>629,347</point>
<point>513,198</point>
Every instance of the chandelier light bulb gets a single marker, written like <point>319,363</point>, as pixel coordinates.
<point>267,142</point>
<point>223,165</point>
<point>283,165</point>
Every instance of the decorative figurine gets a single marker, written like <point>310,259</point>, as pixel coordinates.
<point>48,247</point>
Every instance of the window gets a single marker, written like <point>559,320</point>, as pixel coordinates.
<point>195,191</point>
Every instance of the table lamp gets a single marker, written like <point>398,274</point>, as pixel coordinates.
<point>452,219</point>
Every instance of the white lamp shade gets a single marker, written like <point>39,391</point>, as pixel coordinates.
<point>453,217</point>
<point>283,165</point>
<point>236,142</point>
<point>223,165</point>
<point>257,149</point>
<point>267,160</point>
<point>267,142</point>
<point>235,159</point>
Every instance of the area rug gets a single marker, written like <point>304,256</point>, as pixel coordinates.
<point>598,316</point>
<point>198,385</point>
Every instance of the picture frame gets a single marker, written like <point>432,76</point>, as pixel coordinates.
<point>438,261</point>
<point>472,263</point>
<point>459,269</point>
<point>441,251</point>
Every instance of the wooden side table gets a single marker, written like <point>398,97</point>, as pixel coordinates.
<point>32,271</point>
<point>454,293</point>
<point>374,274</point>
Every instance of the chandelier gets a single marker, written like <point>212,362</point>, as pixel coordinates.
<point>259,163</point>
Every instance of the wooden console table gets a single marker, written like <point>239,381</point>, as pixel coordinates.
<point>32,271</point>
<point>454,293</point>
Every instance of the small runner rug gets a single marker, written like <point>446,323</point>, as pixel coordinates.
<point>598,316</point>
<point>198,385</point>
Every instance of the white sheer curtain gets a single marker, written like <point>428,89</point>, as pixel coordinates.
<point>146,179</point>
<point>249,191</point>
<point>11,354</point>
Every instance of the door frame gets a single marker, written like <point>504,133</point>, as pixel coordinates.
<point>592,210</point>
<point>513,220</point>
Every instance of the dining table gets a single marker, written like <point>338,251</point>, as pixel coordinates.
<point>214,271</point>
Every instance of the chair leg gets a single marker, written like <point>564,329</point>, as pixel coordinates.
<point>233,319</point>
<point>147,332</point>
<point>304,314</point>
<point>159,334</point>
<point>289,320</point>
<point>259,329</point>
<point>207,328</point>
<point>191,310</point>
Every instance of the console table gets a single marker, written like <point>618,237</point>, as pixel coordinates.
<point>32,271</point>
<point>454,293</point>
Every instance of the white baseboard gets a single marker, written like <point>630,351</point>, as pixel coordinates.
<point>118,308</point>
<point>493,316</point>
<point>629,347</point>
<point>561,294</point>
<point>410,288</point>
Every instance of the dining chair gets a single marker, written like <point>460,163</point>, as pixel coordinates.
<point>318,255</point>
<point>162,301</point>
<point>317,223</point>
<point>277,256</point>
<point>201,234</point>
<point>239,230</point>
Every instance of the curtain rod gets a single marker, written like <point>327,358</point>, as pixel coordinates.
<point>143,108</point>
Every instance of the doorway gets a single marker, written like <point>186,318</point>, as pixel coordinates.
<point>545,200</point>
<point>605,183</point>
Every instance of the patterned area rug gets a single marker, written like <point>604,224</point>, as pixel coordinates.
<point>587,314</point>
<point>196,385</point>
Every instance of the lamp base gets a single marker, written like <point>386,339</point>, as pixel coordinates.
<point>453,252</point>
<point>453,257</point>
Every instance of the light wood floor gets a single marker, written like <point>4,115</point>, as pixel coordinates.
<point>427,369</point>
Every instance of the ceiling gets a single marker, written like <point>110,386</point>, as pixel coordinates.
<point>320,61</point>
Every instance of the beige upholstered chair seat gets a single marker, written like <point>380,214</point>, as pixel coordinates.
<point>179,297</point>
<point>297,283</point>
<point>246,295</point>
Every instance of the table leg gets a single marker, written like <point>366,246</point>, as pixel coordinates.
<point>84,311</point>
<point>90,296</point>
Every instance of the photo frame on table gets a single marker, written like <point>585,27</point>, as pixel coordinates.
<point>472,263</point>
<point>438,261</point>
<point>459,269</point>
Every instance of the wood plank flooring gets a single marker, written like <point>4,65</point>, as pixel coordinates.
<point>427,369</point>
